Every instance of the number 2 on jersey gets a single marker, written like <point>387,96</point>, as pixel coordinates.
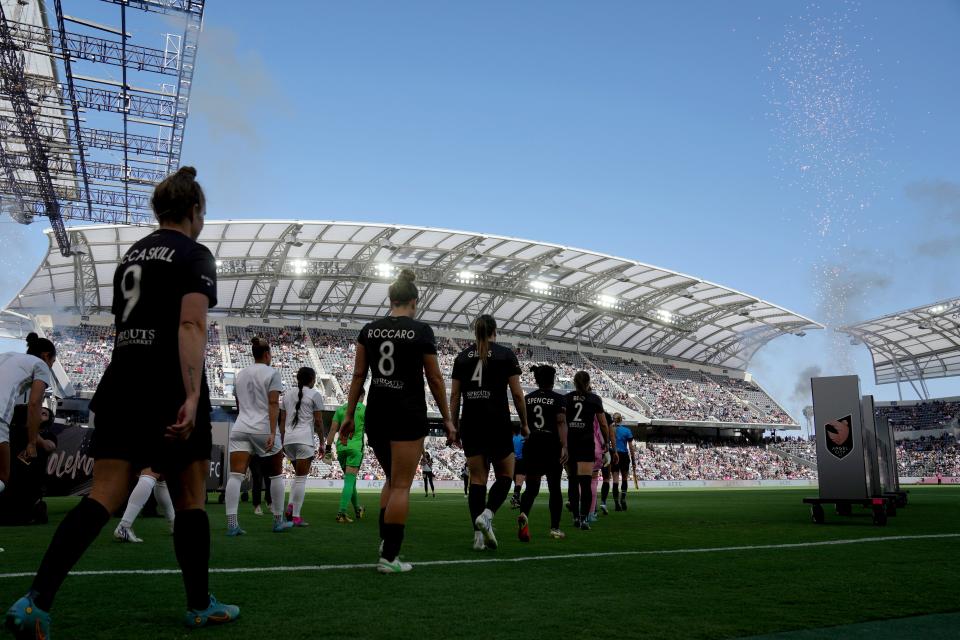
<point>386,364</point>
<point>130,288</point>
<point>579,406</point>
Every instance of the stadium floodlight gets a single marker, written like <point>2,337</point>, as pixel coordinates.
<point>539,286</point>
<point>664,316</point>
<point>606,301</point>
<point>466,276</point>
<point>219,264</point>
<point>939,308</point>
<point>384,270</point>
<point>298,266</point>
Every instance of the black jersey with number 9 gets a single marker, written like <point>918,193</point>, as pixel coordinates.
<point>148,288</point>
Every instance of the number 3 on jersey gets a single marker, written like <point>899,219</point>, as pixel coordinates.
<point>130,287</point>
<point>386,364</point>
<point>538,417</point>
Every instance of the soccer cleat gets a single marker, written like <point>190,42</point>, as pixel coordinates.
<point>257,511</point>
<point>300,522</point>
<point>623,504</point>
<point>478,542</point>
<point>386,566</point>
<point>125,534</point>
<point>556,534</point>
<point>282,526</point>
<point>604,510</point>
<point>215,613</point>
<point>27,621</point>
<point>343,518</point>
<point>523,528</point>
<point>288,512</point>
<point>584,526</point>
<point>359,512</point>
<point>592,518</point>
<point>233,532</point>
<point>617,507</point>
<point>514,503</point>
<point>486,528</point>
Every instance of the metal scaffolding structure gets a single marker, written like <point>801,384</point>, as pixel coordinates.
<point>79,142</point>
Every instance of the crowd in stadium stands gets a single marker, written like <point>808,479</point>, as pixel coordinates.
<point>658,391</point>
<point>936,414</point>
<point>929,457</point>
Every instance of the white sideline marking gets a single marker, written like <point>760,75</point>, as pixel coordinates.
<point>560,556</point>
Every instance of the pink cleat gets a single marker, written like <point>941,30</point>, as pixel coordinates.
<point>289,512</point>
<point>300,522</point>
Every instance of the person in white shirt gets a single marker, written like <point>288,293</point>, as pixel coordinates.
<point>24,379</point>
<point>257,390</point>
<point>301,418</point>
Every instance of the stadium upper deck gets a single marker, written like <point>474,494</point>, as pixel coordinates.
<point>630,317</point>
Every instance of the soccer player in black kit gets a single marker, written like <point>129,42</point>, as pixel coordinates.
<point>398,351</point>
<point>162,289</point>
<point>482,373</point>
<point>582,407</point>
<point>545,451</point>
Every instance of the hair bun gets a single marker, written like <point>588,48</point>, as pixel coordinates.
<point>533,368</point>
<point>408,275</point>
<point>32,338</point>
<point>187,171</point>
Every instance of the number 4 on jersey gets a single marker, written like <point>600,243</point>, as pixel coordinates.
<point>478,374</point>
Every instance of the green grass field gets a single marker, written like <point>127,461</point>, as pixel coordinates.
<point>715,594</point>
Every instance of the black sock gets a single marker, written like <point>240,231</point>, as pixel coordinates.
<point>586,496</point>
<point>498,492</point>
<point>623,490</point>
<point>530,495</point>
<point>573,492</point>
<point>383,512</point>
<point>604,491</point>
<point>556,500</point>
<point>516,492</point>
<point>74,535</point>
<point>191,543</point>
<point>477,498</point>
<point>616,493</point>
<point>392,540</point>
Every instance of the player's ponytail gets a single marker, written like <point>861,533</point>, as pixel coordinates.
<point>484,328</point>
<point>305,377</point>
<point>403,290</point>
<point>582,382</point>
<point>173,199</point>
<point>545,375</point>
<point>260,348</point>
<point>37,346</point>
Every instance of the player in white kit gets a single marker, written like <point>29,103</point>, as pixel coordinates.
<point>257,389</point>
<point>301,417</point>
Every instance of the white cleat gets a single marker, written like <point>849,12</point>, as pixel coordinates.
<point>486,527</point>
<point>385,566</point>
<point>125,534</point>
<point>478,543</point>
<point>556,534</point>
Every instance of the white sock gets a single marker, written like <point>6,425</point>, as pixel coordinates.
<point>138,498</point>
<point>2,486</point>
<point>162,494</point>
<point>488,514</point>
<point>297,494</point>
<point>277,489</point>
<point>231,498</point>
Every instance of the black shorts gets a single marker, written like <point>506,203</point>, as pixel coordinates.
<point>541,456</point>
<point>623,466</point>
<point>138,438</point>
<point>492,442</point>
<point>582,449</point>
<point>519,466</point>
<point>381,430</point>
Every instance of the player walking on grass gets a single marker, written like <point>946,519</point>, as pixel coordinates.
<point>23,375</point>
<point>162,289</point>
<point>350,456</point>
<point>301,416</point>
<point>482,373</point>
<point>398,351</point>
<point>605,471</point>
<point>602,451</point>
<point>621,471</point>
<point>426,468</point>
<point>150,482</point>
<point>257,389</point>
<point>545,451</point>
<point>583,406</point>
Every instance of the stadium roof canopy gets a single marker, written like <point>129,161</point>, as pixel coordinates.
<point>341,270</point>
<point>913,345</point>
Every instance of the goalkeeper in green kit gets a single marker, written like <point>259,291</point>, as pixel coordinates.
<point>350,455</point>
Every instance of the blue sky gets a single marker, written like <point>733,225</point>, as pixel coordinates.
<point>663,132</point>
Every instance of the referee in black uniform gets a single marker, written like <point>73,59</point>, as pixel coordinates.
<point>482,373</point>
<point>162,289</point>
<point>398,351</point>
